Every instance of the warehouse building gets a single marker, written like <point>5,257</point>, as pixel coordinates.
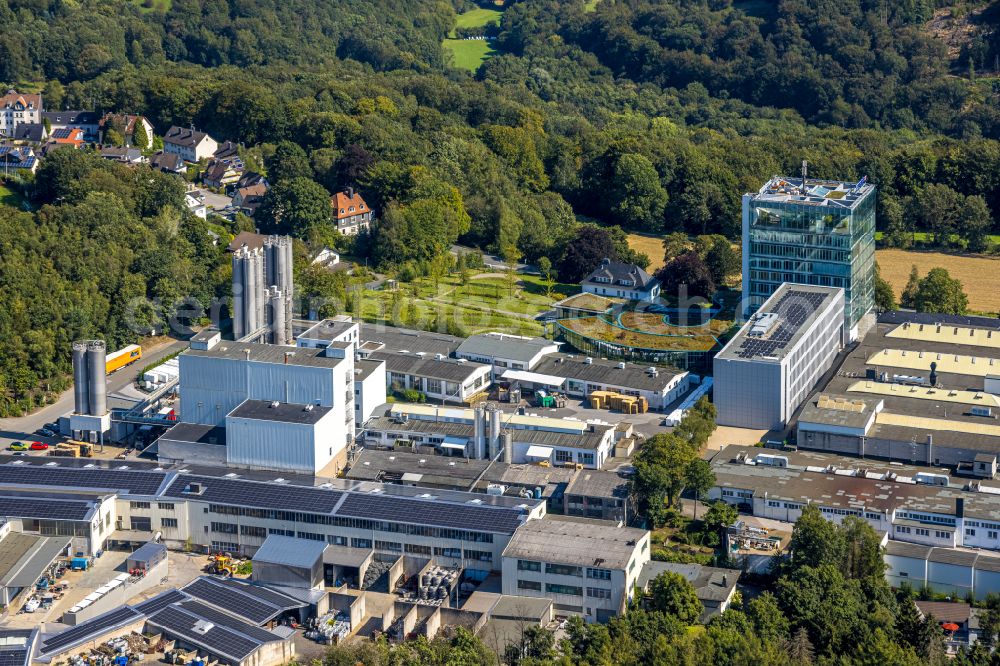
<point>583,375</point>
<point>568,491</point>
<point>437,377</point>
<point>230,511</point>
<point>918,388</point>
<point>488,433</point>
<point>24,558</point>
<point>504,351</point>
<point>772,364</point>
<point>587,568</point>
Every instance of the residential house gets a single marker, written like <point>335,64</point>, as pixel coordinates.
<point>88,121</point>
<point>621,280</point>
<point>714,587</point>
<point>227,151</point>
<point>123,154</point>
<point>30,133</point>
<point>17,158</point>
<point>221,173</point>
<point>16,109</point>
<point>169,162</point>
<point>351,212</point>
<point>125,124</point>
<point>196,205</point>
<point>190,144</point>
<point>247,199</point>
<point>66,137</point>
<point>251,178</point>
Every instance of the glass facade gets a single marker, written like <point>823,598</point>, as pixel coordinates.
<point>807,243</point>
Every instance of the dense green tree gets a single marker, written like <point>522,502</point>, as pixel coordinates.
<point>299,207</point>
<point>637,197</point>
<point>722,261</point>
<point>939,292</point>
<point>885,297</point>
<point>672,594</point>
<point>685,277</point>
<point>288,162</point>
<point>584,253</point>
<point>909,296</point>
<point>699,479</point>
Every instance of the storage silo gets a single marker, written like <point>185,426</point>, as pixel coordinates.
<point>239,293</point>
<point>81,394</point>
<point>276,308</point>
<point>97,386</point>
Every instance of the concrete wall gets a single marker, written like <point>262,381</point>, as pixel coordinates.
<point>119,596</point>
<point>748,394</point>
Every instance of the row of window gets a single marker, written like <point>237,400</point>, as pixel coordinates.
<point>162,506</point>
<point>354,523</point>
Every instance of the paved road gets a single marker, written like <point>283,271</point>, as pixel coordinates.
<point>22,428</point>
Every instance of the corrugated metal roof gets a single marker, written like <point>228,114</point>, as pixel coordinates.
<point>290,551</point>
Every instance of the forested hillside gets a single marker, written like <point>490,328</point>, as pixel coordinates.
<point>653,116</point>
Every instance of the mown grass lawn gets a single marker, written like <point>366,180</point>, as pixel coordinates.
<point>9,197</point>
<point>476,18</point>
<point>470,53</point>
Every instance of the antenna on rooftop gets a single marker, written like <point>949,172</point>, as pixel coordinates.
<point>805,173</point>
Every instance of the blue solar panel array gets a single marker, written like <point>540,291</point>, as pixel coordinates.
<point>238,492</point>
<point>424,512</point>
<point>95,627</point>
<point>220,641</point>
<point>793,309</point>
<point>135,482</point>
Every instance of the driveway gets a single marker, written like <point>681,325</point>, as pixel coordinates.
<point>21,428</point>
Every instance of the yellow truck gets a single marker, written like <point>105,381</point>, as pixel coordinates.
<point>124,356</point>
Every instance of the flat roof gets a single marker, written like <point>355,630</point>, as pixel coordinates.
<point>327,329</point>
<point>401,339</point>
<point>505,346</point>
<point>817,192</point>
<point>572,542</point>
<point>24,557</point>
<point>607,373</point>
<point>588,302</point>
<point>364,367</point>
<point>239,351</point>
<point>780,324</point>
<point>196,433</point>
<point>283,412</point>
<point>447,369</point>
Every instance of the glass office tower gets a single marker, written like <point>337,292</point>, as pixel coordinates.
<point>820,234</point>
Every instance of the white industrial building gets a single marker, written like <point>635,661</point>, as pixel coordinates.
<point>369,388</point>
<point>486,432</point>
<point>504,351</point>
<point>586,568</point>
<point>770,366</point>
<point>281,436</point>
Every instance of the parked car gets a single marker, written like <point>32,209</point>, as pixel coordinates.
<point>54,427</point>
<point>39,446</point>
<point>45,432</point>
<point>18,446</point>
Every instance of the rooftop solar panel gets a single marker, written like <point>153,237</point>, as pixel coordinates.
<point>133,481</point>
<point>420,512</point>
<point>254,610</point>
<point>793,308</point>
<point>255,493</point>
<point>81,632</point>
<point>44,509</point>
<point>216,616</point>
<point>218,640</point>
<point>262,593</point>
<point>150,606</point>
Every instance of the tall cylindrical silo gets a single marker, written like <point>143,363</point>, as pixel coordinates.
<point>495,414</point>
<point>81,395</point>
<point>277,308</point>
<point>239,292</point>
<point>97,377</point>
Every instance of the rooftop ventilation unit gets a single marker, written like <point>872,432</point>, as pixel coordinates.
<point>763,323</point>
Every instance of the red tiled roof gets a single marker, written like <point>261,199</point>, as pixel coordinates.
<point>342,205</point>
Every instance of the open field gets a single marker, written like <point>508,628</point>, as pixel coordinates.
<point>923,237</point>
<point>147,6</point>
<point>470,53</point>
<point>977,273</point>
<point>9,197</point>
<point>651,246</point>
<point>476,18</point>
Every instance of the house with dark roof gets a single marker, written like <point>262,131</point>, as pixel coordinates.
<point>714,587</point>
<point>616,279</point>
<point>169,162</point>
<point>30,133</point>
<point>247,199</point>
<point>190,144</point>
<point>221,173</point>
<point>17,158</point>
<point>88,121</point>
<point>350,212</point>
<point>17,109</point>
<point>123,155</point>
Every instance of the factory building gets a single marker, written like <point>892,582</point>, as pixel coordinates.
<point>811,232</point>
<point>369,388</point>
<point>486,432</point>
<point>90,419</point>
<point>919,388</point>
<point>504,351</point>
<point>234,511</point>
<point>773,363</point>
<point>587,568</point>
<point>437,377</point>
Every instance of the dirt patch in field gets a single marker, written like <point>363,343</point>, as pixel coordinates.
<point>977,273</point>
